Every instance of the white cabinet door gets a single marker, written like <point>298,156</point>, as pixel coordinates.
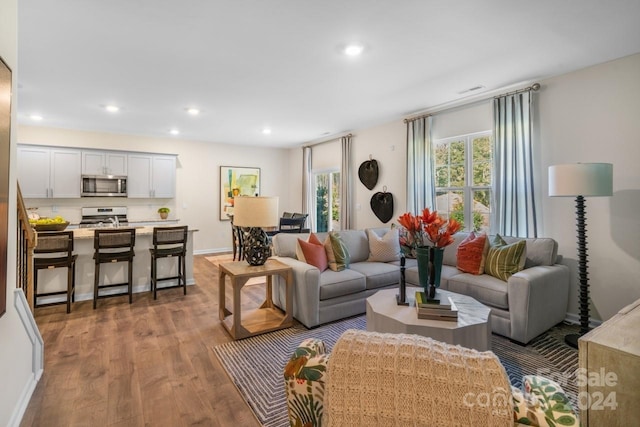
<point>151,176</point>
<point>33,172</point>
<point>92,163</point>
<point>64,174</point>
<point>164,176</point>
<point>139,176</point>
<point>116,164</point>
<point>96,162</point>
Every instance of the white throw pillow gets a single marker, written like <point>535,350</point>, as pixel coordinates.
<point>385,248</point>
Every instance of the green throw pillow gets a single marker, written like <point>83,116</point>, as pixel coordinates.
<point>504,260</point>
<point>337,252</point>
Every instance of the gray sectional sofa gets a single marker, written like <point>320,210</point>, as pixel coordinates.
<point>529,303</point>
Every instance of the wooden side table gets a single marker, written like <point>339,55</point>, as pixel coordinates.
<point>242,324</point>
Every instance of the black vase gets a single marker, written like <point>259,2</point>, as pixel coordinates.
<point>256,246</point>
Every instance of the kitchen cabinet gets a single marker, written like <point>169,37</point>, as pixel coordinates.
<point>48,172</point>
<point>96,162</point>
<point>151,176</point>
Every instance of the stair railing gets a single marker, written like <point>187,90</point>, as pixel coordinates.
<point>27,240</point>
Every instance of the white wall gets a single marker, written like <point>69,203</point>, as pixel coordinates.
<point>197,201</point>
<point>591,115</point>
<point>15,348</point>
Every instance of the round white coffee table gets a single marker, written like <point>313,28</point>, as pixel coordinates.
<point>471,330</point>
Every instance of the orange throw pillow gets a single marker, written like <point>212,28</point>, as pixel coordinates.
<point>313,252</point>
<point>472,252</point>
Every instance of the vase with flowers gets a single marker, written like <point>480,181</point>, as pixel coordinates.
<point>426,237</point>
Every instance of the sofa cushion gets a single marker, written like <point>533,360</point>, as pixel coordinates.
<point>412,277</point>
<point>450,256</point>
<point>378,274</point>
<point>385,248</point>
<point>472,252</point>
<point>503,260</point>
<point>540,251</point>
<point>357,244</point>
<point>337,252</point>
<point>335,284</point>
<point>484,288</point>
<point>284,244</point>
<point>312,252</point>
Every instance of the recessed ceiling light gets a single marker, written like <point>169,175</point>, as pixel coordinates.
<point>353,49</point>
<point>193,111</point>
<point>174,132</point>
<point>35,117</point>
<point>266,131</point>
<point>112,108</point>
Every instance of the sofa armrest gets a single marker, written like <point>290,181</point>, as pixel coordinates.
<point>306,291</point>
<point>304,381</point>
<point>538,298</point>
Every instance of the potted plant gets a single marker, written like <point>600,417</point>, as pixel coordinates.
<point>164,212</point>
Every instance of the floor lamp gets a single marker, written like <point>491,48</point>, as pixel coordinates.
<point>581,180</point>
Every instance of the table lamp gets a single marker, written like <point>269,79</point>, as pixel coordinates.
<point>581,180</point>
<point>251,214</point>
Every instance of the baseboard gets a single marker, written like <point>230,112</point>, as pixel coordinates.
<point>574,319</point>
<point>37,365</point>
<point>212,251</point>
<point>89,296</point>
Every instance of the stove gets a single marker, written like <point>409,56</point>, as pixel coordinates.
<point>104,217</point>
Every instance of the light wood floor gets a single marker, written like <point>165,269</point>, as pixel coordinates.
<point>146,364</point>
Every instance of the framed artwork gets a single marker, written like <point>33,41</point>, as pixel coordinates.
<point>5,141</point>
<point>236,181</point>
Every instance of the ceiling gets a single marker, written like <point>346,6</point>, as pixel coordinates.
<point>252,64</point>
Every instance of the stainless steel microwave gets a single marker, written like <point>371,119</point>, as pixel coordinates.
<point>104,186</point>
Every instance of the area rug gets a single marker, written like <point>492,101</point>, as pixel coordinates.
<point>255,364</point>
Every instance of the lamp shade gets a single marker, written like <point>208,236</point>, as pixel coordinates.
<point>256,212</point>
<point>581,179</point>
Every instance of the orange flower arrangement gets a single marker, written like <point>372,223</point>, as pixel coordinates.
<point>429,226</point>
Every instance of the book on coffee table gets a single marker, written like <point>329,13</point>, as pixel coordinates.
<point>434,311</point>
<point>423,301</point>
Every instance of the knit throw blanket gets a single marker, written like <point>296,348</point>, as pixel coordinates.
<point>377,379</point>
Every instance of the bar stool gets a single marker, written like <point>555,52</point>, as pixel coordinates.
<point>169,242</point>
<point>55,244</point>
<point>113,245</point>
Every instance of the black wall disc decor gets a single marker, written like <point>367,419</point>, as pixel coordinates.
<point>368,173</point>
<point>382,205</point>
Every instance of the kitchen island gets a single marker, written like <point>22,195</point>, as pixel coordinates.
<point>56,279</point>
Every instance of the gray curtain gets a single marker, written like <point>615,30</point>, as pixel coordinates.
<point>346,184</point>
<point>307,191</point>
<point>516,210</point>
<point>420,169</point>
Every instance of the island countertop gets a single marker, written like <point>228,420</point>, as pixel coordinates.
<point>87,233</point>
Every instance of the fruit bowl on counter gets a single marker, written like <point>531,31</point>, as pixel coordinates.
<point>49,224</point>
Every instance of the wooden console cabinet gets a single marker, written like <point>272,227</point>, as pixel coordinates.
<point>609,374</point>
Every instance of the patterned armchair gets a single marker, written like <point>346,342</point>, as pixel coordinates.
<point>396,380</point>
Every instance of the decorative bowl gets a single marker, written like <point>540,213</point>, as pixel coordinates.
<point>52,227</point>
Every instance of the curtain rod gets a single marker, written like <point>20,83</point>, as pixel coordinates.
<point>333,138</point>
<point>534,87</point>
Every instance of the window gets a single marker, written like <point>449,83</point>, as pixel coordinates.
<point>327,200</point>
<point>464,171</point>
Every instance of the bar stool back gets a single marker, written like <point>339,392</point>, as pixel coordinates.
<point>113,245</point>
<point>169,242</point>
<point>58,249</point>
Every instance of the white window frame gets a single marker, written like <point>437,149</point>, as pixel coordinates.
<point>468,189</point>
